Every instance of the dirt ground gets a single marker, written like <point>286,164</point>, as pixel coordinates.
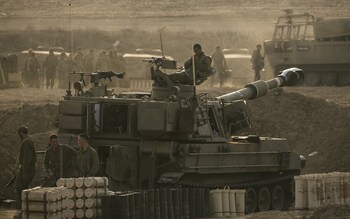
<point>311,118</point>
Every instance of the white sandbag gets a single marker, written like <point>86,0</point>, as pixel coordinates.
<point>79,203</point>
<point>79,213</point>
<point>79,193</point>
<point>93,213</point>
<point>90,182</point>
<point>92,203</point>
<point>95,192</point>
<point>39,206</point>
<point>79,182</point>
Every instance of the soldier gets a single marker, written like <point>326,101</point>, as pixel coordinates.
<point>79,61</point>
<point>87,158</point>
<point>112,61</point>
<point>202,68</point>
<point>121,63</point>
<point>33,70</point>
<point>220,64</point>
<point>63,68</point>
<point>257,62</point>
<point>60,161</point>
<point>118,170</point>
<point>102,62</point>
<point>50,67</point>
<point>89,62</point>
<point>71,64</point>
<point>112,66</point>
<point>26,73</point>
<point>26,163</point>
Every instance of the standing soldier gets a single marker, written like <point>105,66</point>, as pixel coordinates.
<point>220,65</point>
<point>112,66</point>
<point>257,62</point>
<point>50,66</point>
<point>87,158</point>
<point>26,162</point>
<point>25,68</point>
<point>102,62</point>
<point>71,68</point>
<point>33,70</point>
<point>63,68</point>
<point>59,161</point>
<point>121,63</point>
<point>79,61</point>
<point>89,62</point>
<point>71,63</point>
<point>112,61</point>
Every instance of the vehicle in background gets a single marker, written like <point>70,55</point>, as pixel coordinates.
<point>239,68</point>
<point>9,74</point>
<point>321,47</point>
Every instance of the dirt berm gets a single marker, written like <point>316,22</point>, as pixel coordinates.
<point>40,121</point>
<point>309,124</point>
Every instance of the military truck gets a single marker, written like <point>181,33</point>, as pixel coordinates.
<point>174,136</point>
<point>318,46</point>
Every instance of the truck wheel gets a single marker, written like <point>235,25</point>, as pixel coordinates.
<point>251,200</point>
<point>264,199</point>
<point>312,79</point>
<point>329,78</point>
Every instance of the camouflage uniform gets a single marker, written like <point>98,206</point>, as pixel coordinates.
<point>258,64</point>
<point>27,166</point>
<point>33,71</point>
<point>69,162</point>
<point>202,68</point>
<point>50,64</point>
<point>220,65</point>
<point>118,170</point>
<point>79,62</point>
<point>63,68</point>
<point>88,162</point>
<point>102,62</point>
<point>89,63</point>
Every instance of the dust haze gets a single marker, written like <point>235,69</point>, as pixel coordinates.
<point>311,118</point>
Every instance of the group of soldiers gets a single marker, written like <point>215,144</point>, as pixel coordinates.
<point>59,67</point>
<point>60,161</point>
<point>220,64</point>
<point>203,67</point>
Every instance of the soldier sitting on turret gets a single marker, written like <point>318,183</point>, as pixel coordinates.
<point>202,68</point>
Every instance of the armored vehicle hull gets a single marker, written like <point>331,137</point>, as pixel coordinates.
<point>320,48</point>
<point>175,137</point>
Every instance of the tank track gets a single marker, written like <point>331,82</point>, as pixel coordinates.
<point>257,183</point>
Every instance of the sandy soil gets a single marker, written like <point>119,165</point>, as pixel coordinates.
<point>311,118</point>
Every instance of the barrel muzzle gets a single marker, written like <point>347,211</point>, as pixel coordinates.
<point>292,76</point>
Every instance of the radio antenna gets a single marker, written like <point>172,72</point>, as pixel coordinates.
<point>70,44</point>
<point>161,44</point>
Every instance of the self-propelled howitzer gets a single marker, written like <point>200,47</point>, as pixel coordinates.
<point>176,137</point>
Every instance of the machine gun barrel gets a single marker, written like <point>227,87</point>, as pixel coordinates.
<point>288,77</point>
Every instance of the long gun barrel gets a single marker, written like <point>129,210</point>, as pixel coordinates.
<point>288,77</point>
